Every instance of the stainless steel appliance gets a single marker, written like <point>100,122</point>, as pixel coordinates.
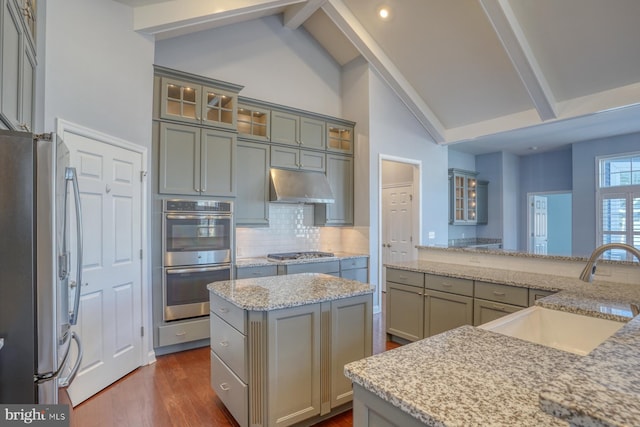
<point>39,298</point>
<point>196,232</point>
<point>197,248</point>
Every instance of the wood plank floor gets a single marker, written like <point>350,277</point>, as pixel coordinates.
<point>175,392</point>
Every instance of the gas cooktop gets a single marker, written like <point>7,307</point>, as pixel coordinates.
<point>299,255</point>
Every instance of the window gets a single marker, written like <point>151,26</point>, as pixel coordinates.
<point>618,199</point>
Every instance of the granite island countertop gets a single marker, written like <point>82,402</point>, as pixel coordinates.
<point>276,292</point>
<point>466,376</point>
<point>599,389</point>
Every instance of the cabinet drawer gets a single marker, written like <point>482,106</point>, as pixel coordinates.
<point>314,267</point>
<point>257,271</point>
<point>183,332</point>
<point>351,263</point>
<point>230,390</point>
<point>536,294</point>
<point>411,278</point>
<point>360,274</point>
<point>502,293</point>
<point>486,311</point>
<point>235,316</point>
<point>449,284</point>
<point>230,346</point>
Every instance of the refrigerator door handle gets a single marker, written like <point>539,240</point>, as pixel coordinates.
<point>64,382</point>
<point>71,175</point>
<point>43,378</point>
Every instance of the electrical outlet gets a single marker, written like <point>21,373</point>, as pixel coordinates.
<point>432,235</point>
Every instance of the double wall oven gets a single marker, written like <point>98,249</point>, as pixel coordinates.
<point>197,246</point>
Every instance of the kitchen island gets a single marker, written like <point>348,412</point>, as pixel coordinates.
<point>279,345</point>
<point>471,376</point>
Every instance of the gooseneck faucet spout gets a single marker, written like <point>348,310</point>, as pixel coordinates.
<point>590,269</point>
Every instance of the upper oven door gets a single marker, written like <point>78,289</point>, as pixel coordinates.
<point>196,238</point>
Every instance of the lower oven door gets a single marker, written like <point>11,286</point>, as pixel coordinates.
<point>185,290</point>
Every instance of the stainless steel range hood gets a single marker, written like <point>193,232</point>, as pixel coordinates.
<point>289,186</point>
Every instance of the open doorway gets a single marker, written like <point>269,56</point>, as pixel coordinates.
<point>399,212</point>
<point>549,223</point>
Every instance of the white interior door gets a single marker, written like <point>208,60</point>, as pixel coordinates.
<point>397,225</point>
<point>110,314</point>
<point>538,226</point>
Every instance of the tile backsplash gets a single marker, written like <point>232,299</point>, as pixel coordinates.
<point>291,229</point>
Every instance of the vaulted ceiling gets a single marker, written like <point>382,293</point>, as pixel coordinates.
<point>485,75</point>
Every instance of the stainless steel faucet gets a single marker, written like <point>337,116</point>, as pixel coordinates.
<point>590,269</point>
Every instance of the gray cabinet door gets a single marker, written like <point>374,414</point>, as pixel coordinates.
<point>28,86</point>
<point>285,157</point>
<point>284,128</point>
<point>293,362</point>
<point>405,306</point>
<point>312,133</point>
<point>180,100</point>
<point>486,311</point>
<point>483,202</point>
<point>218,163</point>
<point>179,170</point>
<point>444,311</point>
<point>351,340</point>
<point>12,47</point>
<point>359,274</point>
<point>312,161</point>
<point>252,174</point>
<point>340,177</point>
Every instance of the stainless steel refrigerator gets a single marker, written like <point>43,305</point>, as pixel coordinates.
<point>39,298</point>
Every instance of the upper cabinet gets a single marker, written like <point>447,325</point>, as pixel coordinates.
<point>254,122</point>
<point>340,138</point>
<point>197,104</point>
<point>468,198</point>
<point>18,63</point>
<point>292,129</point>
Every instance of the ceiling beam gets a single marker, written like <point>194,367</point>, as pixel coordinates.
<point>373,53</point>
<point>295,15</point>
<point>174,18</point>
<point>517,47</point>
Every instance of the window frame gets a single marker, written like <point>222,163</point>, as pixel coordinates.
<point>628,192</point>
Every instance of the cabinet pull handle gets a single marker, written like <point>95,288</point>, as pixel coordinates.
<point>499,294</point>
<point>403,277</point>
<point>181,334</point>
<point>499,307</point>
<point>446,285</point>
<point>225,387</point>
<point>224,343</point>
<point>223,310</point>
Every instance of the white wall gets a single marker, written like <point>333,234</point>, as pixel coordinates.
<point>273,63</point>
<point>98,71</point>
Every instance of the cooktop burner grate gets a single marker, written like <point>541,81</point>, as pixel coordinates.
<point>299,255</point>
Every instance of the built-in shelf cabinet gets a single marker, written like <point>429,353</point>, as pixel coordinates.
<point>339,138</point>
<point>468,198</point>
<point>254,122</point>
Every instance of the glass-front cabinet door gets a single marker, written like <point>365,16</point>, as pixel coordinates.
<point>463,196</point>
<point>219,108</point>
<point>180,101</point>
<point>253,122</point>
<point>339,138</point>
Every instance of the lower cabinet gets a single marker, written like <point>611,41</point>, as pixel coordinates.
<point>370,410</point>
<point>256,271</point>
<point>486,311</point>
<point>405,306</point>
<point>285,366</point>
<point>355,269</point>
<point>444,311</point>
<point>325,267</point>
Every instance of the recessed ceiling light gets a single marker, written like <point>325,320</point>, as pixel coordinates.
<point>534,148</point>
<point>384,13</point>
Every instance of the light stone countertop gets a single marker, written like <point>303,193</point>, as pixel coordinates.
<point>262,261</point>
<point>601,299</point>
<point>599,389</point>
<point>466,376</point>
<point>276,292</point>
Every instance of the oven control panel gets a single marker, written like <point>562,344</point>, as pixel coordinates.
<point>196,206</point>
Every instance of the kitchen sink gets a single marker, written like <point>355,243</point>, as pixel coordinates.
<point>570,332</point>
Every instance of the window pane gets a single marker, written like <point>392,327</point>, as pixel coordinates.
<point>614,215</point>
<point>614,254</point>
<point>636,214</point>
<point>620,171</point>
